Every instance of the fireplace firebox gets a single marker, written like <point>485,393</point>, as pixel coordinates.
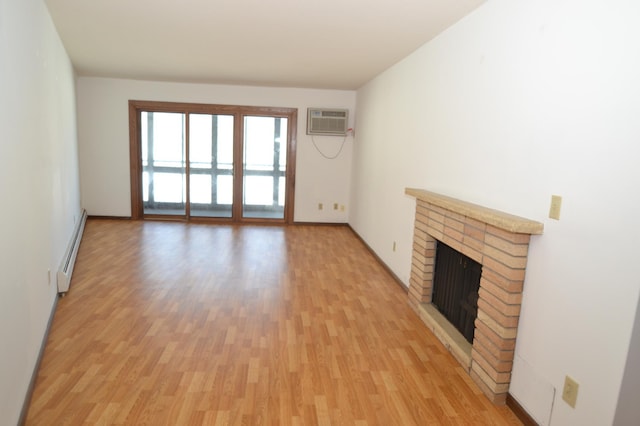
<point>456,282</point>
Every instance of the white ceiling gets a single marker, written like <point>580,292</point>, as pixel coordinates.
<point>330,44</point>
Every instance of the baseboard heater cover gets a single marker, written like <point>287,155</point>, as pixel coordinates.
<point>69,259</point>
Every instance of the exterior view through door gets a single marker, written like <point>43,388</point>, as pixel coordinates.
<point>212,161</point>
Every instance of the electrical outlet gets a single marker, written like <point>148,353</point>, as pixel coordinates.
<point>554,210</point>
<point>570,391</point>
<point>320,206</point>
<point>394,246</point>
<point>335,206</point>
<point>49,276</point>
<point>342,207</point>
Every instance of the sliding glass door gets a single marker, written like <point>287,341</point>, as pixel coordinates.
<point>264,167</point>
<point>163,163</point>
<point>210,165</point>
<point>221,162</point>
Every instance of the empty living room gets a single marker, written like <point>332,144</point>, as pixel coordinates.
<point>332,213</point>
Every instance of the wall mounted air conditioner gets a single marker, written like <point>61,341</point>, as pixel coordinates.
<point>326,121</point>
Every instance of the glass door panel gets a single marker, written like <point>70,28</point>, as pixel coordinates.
<point>264,167</point>
<point>163,163</point>
<point>210,165</point>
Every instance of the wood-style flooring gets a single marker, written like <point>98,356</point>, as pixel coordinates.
<point>189,324</point>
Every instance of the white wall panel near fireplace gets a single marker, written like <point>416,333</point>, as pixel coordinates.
<point>535,393</point>
<point>514,103</point>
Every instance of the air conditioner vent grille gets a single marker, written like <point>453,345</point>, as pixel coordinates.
<point>324,121</point>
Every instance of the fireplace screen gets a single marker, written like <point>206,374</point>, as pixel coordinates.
<point>455,288</point>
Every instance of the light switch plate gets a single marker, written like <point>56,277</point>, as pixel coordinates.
<point>554,210</point>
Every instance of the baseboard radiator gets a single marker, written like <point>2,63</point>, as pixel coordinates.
<point>69,259</point>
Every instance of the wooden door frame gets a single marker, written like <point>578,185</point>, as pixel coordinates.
<point>238,111</point>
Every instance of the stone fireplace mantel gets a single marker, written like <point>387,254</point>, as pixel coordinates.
<point>500,243</point>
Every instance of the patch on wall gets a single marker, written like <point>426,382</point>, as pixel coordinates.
<point>528,385</point>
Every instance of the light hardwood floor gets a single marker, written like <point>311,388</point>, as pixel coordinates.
<point>185,324</point>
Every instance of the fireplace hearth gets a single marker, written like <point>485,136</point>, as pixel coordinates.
<point>499,242</point>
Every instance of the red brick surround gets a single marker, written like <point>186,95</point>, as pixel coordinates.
<point>479,233</point>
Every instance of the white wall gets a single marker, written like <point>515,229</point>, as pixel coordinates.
<point>38,187</point>
<point>103,135</point>
<point>516,102</point>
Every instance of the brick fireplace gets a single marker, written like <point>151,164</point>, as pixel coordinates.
<point>500,243</point>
